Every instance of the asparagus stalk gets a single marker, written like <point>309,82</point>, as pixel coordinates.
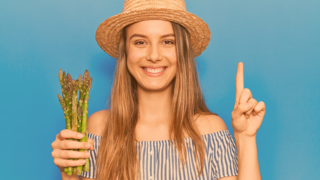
<point>65,91</point>
<point>82,93</point>
<point>74,112</point>
<point>86,165</point>
<point>65,111</point>
<point>84,122</point>
<point>64,105</point>
<point>74,106</point>
<point>81,86</point>
<point>64,86</point>
<point>70,90</point>
<point>79,103</point>
<point>87,88</point>
<point>61,82</point>
<point>79,118</point>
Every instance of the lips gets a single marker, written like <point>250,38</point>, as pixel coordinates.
<point>153,70</point>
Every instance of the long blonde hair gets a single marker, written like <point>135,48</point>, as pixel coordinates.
<point>117,155</point>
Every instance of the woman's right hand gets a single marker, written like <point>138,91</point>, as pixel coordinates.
<point>62,149</point>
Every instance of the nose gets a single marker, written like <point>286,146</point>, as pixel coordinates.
<point>154,53</point>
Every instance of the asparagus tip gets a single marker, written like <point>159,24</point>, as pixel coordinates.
<point>60,74</point>
<point>90,82</point>
<point>69,78</point>
<point>80,78</point>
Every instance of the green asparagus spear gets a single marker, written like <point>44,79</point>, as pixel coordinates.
<point>87,87</point>
<point>70,93</point>
<point>61,82</point>
<point>84,121</point>
<point>80,103</point>
<point>66,115</point>
<point>65,90</point>
<point>64,87</point>
<point>74,119</point>
<point>79,118</point>
<point>64,102</point>
<point>81,85</point>
<point>74,106</point>
<point>74,170</point>
<point>86,165</point>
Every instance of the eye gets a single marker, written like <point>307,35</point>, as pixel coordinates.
<point>139,42</point>
<point>168,42</point>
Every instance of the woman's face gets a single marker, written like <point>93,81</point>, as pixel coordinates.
<point>151,53</point>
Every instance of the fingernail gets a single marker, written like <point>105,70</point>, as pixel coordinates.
<point>83,161</point>
<point>88,145</point>
<point>80,135</point>
<point>87,154</point>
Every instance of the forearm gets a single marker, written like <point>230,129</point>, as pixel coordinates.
<point>248,164</point>
<point>65,176</point>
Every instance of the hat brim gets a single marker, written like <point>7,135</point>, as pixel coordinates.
<point>108,32</point>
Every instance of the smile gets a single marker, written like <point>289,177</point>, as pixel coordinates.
<point>154,71</point>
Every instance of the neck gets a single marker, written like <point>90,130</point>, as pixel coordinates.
<point>155,106</point>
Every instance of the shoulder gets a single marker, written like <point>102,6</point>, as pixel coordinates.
<point>97,121</point>
<point>210,123</point>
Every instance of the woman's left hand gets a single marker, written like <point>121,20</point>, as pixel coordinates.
<point>247,114</point>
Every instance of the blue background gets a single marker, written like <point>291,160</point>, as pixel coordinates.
<point>277,40</point>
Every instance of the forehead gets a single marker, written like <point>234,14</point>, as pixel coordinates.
<point>150,27</point>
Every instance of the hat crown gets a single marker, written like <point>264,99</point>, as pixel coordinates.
<point>134,5</point>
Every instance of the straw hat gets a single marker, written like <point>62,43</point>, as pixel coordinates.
<point>108,32</point>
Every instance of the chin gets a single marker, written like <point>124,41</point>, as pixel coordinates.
<point>154,86</point>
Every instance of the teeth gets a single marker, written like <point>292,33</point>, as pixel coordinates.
<point>152,70</point>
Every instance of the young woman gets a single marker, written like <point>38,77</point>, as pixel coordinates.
<point>157,125</point>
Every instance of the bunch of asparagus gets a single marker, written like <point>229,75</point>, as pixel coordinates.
<point>75,109</point>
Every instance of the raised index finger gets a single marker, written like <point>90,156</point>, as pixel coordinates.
<point>239,83</point>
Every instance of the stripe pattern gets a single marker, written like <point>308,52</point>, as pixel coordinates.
<point>93,154</point>
<point>159,160</point>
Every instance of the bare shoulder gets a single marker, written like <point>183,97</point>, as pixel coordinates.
<point>210,123</point>
<point>97,121</point>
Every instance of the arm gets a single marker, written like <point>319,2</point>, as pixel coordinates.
<point>248,165</point>
<point>247,117</point>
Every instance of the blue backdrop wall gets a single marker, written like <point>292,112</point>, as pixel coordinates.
<point>278,42</point>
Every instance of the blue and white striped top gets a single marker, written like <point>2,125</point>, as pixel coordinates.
<point>158,161</point>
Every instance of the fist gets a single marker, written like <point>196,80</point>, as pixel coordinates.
<point>63,149</point>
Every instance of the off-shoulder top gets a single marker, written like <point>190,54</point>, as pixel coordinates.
<point>158,161</point>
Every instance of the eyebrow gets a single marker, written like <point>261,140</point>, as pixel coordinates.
<point>140,35</point>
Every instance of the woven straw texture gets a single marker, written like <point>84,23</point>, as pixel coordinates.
<point>108,32</point>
